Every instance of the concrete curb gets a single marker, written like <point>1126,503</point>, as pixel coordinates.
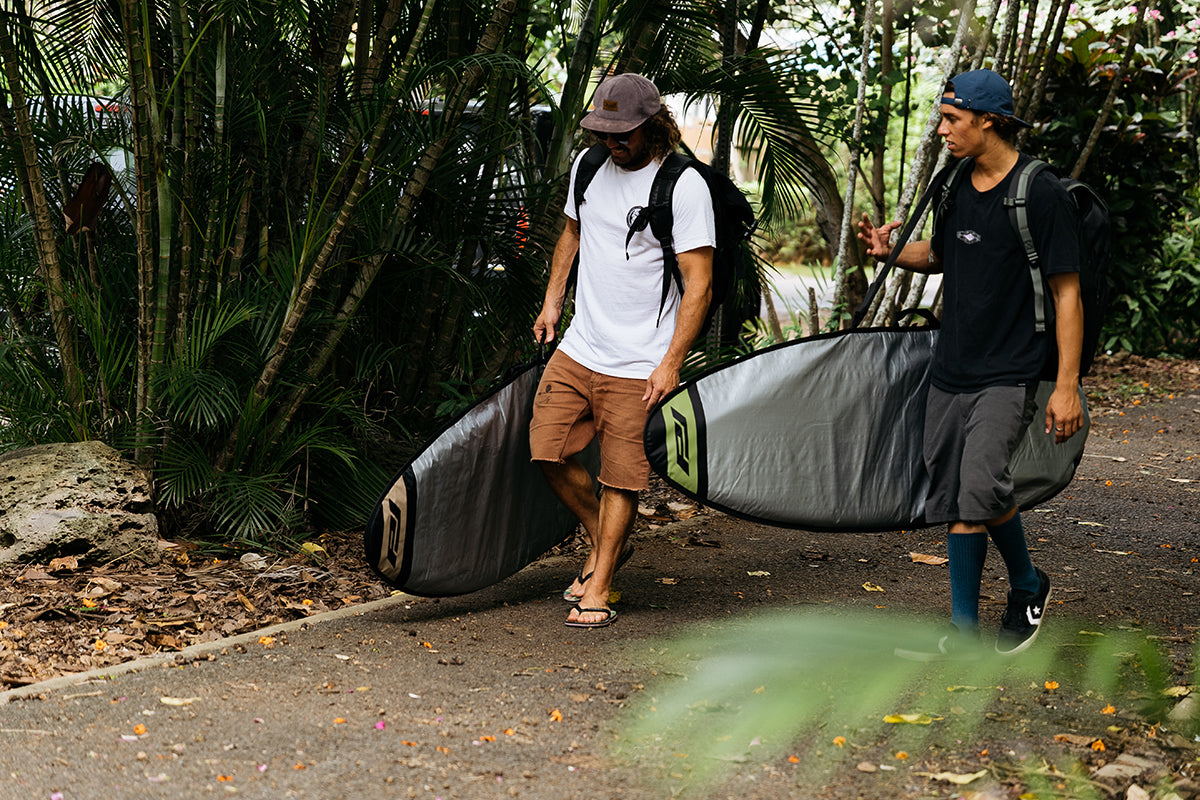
<point>191,651</point>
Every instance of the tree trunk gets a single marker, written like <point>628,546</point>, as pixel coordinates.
<point>886,65</point>
<point>335,38</point>
<point>38,204</point>
<point>846,239</point>
<point>1110,100</point>
<point>924,162</point>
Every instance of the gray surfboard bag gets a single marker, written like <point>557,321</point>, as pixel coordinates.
<point>470,508</point>
<point>825,434</point>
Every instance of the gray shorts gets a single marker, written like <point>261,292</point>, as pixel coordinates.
<point>969,440</point>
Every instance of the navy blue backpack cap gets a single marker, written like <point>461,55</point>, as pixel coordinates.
<point>735,223</point>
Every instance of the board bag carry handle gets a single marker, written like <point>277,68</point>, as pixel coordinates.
<point>881,275</point>
<point>942,185</point>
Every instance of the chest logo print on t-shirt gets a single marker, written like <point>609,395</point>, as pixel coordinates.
<point>632,217</point>
<point>969,237</point>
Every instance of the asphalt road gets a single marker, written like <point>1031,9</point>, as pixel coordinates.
<point>489,695</point>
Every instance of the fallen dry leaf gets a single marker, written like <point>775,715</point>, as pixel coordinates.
<point>956,778</point>
<point>910,719</point>
<point>1075,739</point>
<point>922,558</point>
<point>64,564</point>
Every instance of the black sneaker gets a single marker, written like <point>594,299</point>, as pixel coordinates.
<point>953,645</point>
<point>1023,618</point>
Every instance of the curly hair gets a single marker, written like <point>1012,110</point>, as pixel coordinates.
<point>662,134</point>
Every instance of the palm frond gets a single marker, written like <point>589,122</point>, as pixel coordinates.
<point>184,472</point>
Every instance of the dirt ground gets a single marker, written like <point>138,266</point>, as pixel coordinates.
<point>1120,545</point>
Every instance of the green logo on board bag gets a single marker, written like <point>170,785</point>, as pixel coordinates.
<point>682,440</point>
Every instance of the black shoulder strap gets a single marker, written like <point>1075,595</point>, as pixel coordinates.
<point>942,185</point>
<point>589,165</point>
<point>661,218</point>
<point>1017,202</point>
<point>947,191</point>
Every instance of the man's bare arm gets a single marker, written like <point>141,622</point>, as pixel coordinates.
<point>695,266</point>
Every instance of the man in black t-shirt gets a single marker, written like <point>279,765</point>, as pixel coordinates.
<point>989,355</point>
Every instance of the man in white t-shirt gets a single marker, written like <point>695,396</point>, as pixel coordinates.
<point>620,355</point>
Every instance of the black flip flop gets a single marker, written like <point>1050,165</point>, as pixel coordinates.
<point>610,617</point>
<point>626,554</point>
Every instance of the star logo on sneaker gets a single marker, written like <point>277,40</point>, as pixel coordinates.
<point>1034,615</point>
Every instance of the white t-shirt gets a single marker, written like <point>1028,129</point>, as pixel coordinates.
<point>616,329</point>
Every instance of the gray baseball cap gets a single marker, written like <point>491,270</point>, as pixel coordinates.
<point>622,103</point>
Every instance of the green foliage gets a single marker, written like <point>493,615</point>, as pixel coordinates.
<point>797,681</point>
<point>331,236</point>
<point>1145,166</point>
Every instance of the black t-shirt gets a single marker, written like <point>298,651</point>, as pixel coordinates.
<point>988,336</point>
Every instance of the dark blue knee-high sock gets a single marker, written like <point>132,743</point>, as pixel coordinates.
<point>967,553</point>
<point>1010,541</point>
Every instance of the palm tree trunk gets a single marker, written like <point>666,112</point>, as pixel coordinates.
<point>1022,89</point>
<point>1005,48</point>
<point>34,191</point>
<point>144,158</point>
<point>366,78</point>
<point>209,262</point>
<point>1033,63</point>
<point>189,111</point>
<point>299,306</point>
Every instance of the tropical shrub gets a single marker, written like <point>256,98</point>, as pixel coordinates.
<point>1146,166</point>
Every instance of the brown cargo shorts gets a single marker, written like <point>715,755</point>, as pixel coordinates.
<point>575,405</point>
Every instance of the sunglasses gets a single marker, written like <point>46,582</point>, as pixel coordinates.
<point>620,138</point>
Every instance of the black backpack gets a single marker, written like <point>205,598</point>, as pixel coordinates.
<point>735,222</point>
<point>1092,218</point>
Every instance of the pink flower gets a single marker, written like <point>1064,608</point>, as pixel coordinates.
<point>1155,14</point>
<point>380,725</point>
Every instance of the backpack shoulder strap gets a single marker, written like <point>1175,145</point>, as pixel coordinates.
<point>662,215</point>
<point>590,164</point>
<point>1017,202</point>
<point>659,215</point>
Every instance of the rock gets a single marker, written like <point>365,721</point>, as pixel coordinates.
<point>75,499</point>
